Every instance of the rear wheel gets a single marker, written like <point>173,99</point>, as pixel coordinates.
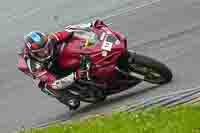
<point>148,69</point>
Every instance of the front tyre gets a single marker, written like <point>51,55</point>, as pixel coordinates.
<point>152,70</point>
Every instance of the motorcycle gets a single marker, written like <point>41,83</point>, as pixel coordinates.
<point>109,67</point>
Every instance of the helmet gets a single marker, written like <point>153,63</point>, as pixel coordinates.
<point>38,46</point>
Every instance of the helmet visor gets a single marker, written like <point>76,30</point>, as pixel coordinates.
<point>41,54</point>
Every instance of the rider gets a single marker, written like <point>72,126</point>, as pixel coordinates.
<point>41,51</point>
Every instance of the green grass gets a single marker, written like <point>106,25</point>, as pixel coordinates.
<point>183,119</point>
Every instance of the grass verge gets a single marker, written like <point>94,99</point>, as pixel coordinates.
<point>181,119</point>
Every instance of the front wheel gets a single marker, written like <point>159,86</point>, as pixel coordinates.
<point>148,69</point>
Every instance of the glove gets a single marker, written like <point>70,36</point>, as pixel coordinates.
<point>98,23</point>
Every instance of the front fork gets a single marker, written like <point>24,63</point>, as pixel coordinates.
<point>123,65</point>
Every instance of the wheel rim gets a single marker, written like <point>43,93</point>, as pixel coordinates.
<point>150,75</point>
<point>153,76</point>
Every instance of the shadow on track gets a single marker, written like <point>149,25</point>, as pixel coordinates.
<point>88,108</point>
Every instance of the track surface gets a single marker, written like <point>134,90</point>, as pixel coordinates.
<point>168,30</point>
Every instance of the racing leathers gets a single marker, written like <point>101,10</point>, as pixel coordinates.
<point>44,71</point>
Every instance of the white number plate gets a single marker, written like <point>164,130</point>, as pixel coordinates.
<point>107,46</point>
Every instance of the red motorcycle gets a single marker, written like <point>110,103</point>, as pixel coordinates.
<point>109,67</point>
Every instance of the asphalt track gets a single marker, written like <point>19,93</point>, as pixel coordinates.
<point>167,30</point>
